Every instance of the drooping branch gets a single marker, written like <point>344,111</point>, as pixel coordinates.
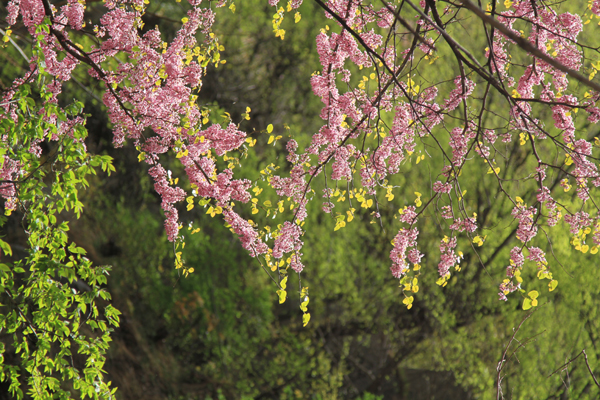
<point>527,46</point>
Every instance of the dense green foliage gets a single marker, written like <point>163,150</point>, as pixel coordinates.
<point>50,290</point>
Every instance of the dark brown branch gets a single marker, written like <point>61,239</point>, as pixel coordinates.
<point>527,46</point>
<point>565,365</point>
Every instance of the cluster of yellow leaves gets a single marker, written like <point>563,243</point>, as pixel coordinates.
<point>408,302</point>
<point>283,266</point>
<point>363,83</point>
<point>568,159</point>
<point>412,87</point>
<point>591,15</point>
<point>523,138</point>
<point>304,306</point>
<point>493,169</point>
<point>411,285</point>
<point>267,205</point>
<point>246,115</point>
<point>418,201</point>
<point>443,280</point>
<point>339,221</point>
<point>272,138</point>
<point>212,211</point>
<point>595,69</point>
<point>193,230</point>
<point>277,20</point>
<point>360,197</point>
<point>530,300</point>
<point>282,292</point>
<point>267,172</point>
<point>7,34</point>
<point>205,114</point>
<point>389,195</point>
<point>578,241</point>
<point>179,263</point>
<point>478,240</point>
<point>420,158</point>
<point>339,194</point>
<point>551,49</point>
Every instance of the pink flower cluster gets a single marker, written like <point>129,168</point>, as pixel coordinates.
<point>404,251</point>
<point>448,257</point>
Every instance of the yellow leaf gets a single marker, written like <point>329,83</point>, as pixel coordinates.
<point>269,128</point>
<point>282,295</point>
<point>585,248</point>
<point>526,304</point>
<point>350,215</point>
<point>339,225</point>
<point>304,304</point>
<point>552,285</point>
<point>305,319</point>
<point>271,139</point>
<point>297,17</point>
<point>594,250</point>
<point>568,159</point>
<point>283,283</point>
<point>533,294</point>
<point>182,153</point>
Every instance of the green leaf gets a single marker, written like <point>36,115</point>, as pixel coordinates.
<point>5,248</point>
